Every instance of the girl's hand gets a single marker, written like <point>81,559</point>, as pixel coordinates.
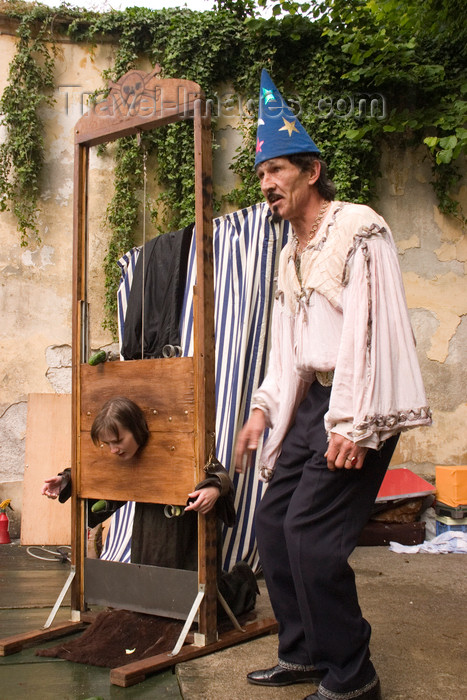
<point>51,487</point>
<point>205,499</point>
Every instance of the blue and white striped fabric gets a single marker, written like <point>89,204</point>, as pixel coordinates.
<point>246,251</point>
<point>127,264</point>
<point>117,545</point>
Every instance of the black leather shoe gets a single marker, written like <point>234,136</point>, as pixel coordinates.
<point>373,693</point>
<point>278,675</point>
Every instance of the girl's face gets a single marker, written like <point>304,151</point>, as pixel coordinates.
<point>123,445</point>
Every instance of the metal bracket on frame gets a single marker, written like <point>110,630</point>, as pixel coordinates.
<point>191,617</point>
<point>229,612</point>
<point>60,598</point>
<point>189,621</point>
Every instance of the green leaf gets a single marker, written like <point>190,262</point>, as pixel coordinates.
<point>355,134</point>
<point>448,143</point>
<point>444,156</point>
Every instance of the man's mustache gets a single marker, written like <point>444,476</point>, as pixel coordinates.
<point>272,196</point>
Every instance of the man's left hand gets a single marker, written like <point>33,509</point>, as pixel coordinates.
<point>344,454</point>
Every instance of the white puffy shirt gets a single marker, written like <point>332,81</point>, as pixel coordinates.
<point>349,315</point>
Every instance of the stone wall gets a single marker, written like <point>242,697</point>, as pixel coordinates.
<point>36,284</point>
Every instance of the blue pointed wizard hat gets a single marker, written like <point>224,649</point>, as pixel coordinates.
<point>279,131</point>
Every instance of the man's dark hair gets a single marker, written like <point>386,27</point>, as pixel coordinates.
<point>324,185</point>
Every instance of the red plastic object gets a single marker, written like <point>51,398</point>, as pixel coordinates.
<point>403,483</point>
<point>4,523</point>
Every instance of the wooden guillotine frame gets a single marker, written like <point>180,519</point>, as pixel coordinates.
<point>177,396</point>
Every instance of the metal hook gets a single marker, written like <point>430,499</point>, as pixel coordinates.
<point>173,511</point>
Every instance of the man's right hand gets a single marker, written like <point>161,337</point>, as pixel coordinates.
<point>248,439</point>
<point>51,487</point>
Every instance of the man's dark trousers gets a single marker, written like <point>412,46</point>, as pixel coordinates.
<point>307,525</point>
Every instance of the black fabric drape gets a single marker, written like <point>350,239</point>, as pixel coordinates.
<point>165,267</point>
<point>173,543</point>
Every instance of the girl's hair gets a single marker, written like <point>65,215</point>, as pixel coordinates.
<point>120,411</point>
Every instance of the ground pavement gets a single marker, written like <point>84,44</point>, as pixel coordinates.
<point>416,604</point>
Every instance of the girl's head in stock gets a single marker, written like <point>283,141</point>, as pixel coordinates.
<point>121,425</point>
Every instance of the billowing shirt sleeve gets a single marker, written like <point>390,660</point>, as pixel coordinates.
<point>266,397</point>
<point>282,389</point>
<point>377,388</point>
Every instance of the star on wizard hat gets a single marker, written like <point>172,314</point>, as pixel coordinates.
<point>279,131</point>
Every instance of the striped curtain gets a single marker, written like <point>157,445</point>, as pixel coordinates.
<point>246,251</point>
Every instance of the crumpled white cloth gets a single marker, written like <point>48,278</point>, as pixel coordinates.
<point>454,541</point>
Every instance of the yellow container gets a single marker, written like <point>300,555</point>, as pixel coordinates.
<point>451,485</point>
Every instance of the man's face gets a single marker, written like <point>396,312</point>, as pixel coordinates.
<point>285,187</point>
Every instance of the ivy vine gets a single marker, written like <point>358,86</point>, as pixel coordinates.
<point>30,85</point>
<point>357,73</point>
<point>122,215</point>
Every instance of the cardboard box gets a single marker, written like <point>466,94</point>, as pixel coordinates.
<point>451,485</point>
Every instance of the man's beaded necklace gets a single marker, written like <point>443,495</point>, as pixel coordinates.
<point>314,228</point>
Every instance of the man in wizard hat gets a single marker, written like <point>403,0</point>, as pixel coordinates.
<point>343,381</point>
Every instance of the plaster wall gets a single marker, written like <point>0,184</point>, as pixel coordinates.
<point>432,250</point>
<point>36,287</point>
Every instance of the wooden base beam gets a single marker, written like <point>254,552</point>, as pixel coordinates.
<point>136,672</point>
<point>11,645</point>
